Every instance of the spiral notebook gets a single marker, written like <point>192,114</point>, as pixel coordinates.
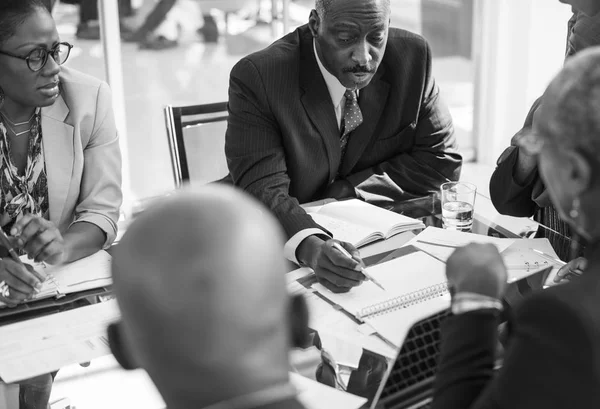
<point>415,284</point>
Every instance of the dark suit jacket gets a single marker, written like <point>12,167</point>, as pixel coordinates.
<point>282,142</point>
<point>552,358</point>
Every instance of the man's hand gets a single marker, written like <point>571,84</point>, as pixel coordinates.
<point>571,270</point>
<point>333,270</point>
<point>477,268</point>
<point>340,189</point>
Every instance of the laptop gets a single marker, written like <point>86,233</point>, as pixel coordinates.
<point>408,383</point>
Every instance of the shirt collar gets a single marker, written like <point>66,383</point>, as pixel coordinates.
<point>335,87</point>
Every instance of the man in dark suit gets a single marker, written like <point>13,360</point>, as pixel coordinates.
<point>204,306</point>
<point>342,107</point>
<point>552,356</point>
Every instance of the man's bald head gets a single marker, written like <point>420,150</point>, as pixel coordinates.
<point>200,281</point>
<point>323,7</point>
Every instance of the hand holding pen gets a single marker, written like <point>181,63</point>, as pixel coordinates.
<point>18,281</point>
<point>342,250</point>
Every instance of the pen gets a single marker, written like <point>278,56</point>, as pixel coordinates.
<point>548,256</point>
<point>362,270</point>
<point>431,243</point>
<point>5,242</point>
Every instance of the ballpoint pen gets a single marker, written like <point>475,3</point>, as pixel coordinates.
<point>362,269</point>
<point>549,257</point>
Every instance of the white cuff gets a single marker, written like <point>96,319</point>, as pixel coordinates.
<point>289,250</point>
<point>465,302</point>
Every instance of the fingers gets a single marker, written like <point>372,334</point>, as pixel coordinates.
<point>20,224</point>
<point>22,283</point>
<point>39,238</point>
<point>23,278</point>
<point>339,259</point>
<point>335,281</point>
<point>571,270</point>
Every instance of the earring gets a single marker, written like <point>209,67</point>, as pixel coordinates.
<point>574,213</point>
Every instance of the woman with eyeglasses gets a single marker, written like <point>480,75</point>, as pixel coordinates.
<point>60,163</point>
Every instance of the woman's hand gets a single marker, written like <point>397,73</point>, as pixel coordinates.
<point>22,281</point>
<point>40,239</point>
<point>572,269</point>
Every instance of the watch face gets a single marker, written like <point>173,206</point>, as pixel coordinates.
<point>505,155</point>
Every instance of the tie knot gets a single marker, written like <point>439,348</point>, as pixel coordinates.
<point>350,95</point>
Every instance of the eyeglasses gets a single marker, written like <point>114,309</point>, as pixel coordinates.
<point>37,58</point>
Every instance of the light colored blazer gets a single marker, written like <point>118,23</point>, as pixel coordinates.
<point>82,155</point>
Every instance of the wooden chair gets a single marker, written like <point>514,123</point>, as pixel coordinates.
<point>197,142</point>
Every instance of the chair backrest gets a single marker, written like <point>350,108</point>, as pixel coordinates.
<point>196,136</point>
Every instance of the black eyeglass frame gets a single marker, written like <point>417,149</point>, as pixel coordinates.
<point>47,53</point>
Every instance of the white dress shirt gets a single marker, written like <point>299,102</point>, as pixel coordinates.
<point>336,91</point>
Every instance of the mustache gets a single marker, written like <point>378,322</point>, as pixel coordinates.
<point>360,69</point>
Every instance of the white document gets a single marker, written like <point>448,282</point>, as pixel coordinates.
<point>43,345</point>
<point>85,274</point>
<point>399,277</point>
<point>521,260</point>
<point>441,243</point>
<point>315,395</point>
<point>324,318</point>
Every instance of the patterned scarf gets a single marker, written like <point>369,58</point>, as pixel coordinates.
<point>27,193</point>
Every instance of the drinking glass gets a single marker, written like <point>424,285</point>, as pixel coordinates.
<point>458,203</point>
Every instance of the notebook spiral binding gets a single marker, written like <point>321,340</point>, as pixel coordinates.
<point>404,301</point>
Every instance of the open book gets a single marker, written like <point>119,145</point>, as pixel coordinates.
<point>87,273</point>
<point>361,223</point>
<point>415,285</point>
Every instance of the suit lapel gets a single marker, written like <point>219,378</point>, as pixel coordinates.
<point>57,137</point>
<point>372,101</point>
<point>318,105</point>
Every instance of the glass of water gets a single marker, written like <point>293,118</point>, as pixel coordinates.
<point>458,202</point>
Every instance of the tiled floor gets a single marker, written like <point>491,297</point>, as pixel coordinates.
<point>196,73</point>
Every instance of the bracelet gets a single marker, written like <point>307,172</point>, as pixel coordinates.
<point>465,302</point>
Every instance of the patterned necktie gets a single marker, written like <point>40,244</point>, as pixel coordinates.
<point>352,118</point>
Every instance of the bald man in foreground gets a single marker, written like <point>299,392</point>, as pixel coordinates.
<point>199,280</point>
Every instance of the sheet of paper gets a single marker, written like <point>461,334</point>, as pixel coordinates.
<point>399,277</point>
<point>394,327</point>
<point>90,272</point>
<point>343,350</point>
<point>298,274</point>
<point>43,345</point>
<point>365,214</point>
<point>343,230</point>
<point>315,395</point>
<point>323,317</point>
<point>521,260</point>
<point>441,243</point>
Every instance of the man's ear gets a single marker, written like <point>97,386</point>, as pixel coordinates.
<point>298,321</point>
<point>314,23</point>
<point>118,346</point>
